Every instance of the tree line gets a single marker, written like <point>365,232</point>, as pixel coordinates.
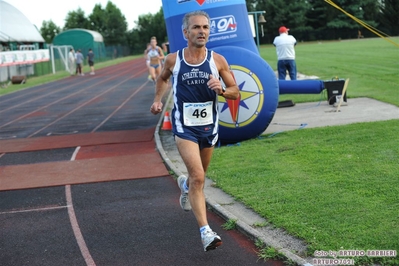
<point>309,20</point>
<point>312,20</point>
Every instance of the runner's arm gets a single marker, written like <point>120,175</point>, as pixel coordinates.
<point>162,83</point>
<point>231,90</point>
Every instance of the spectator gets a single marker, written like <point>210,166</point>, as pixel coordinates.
<point>90,60</point>
<point>71,62</point>
<point>79,61</point>
<point>285,47</point>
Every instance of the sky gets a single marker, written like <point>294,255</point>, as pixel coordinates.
<point>56,10</point>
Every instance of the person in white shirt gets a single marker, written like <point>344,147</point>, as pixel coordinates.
<point>285,47</point>
<point>71,62</point>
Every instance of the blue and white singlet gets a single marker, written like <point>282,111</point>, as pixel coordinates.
<point>195,108</point>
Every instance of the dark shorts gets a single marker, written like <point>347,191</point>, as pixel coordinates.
<point>91,63</point>
<point>203,141</point>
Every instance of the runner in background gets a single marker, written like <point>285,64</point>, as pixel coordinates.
<point>155,56</point>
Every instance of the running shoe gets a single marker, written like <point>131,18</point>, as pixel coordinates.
<point>184,201</point>
<point>210,240</point>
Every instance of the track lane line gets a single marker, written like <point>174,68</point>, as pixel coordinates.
<point>61,99</point>
<point>74,222</point>
<point>76,229</point>
<point>35,210</point>
<point>119,107</point>
<point>80,106</point>
<point>82,81</point>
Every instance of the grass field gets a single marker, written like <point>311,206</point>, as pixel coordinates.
<point>371,64</point>
<point>337,188</point>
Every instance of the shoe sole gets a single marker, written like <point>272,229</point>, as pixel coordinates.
<point>214,244</point>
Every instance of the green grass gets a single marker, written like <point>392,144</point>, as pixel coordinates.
<point>334,187</point>
<point>372,65</point>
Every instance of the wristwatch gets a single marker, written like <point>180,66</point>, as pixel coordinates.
<point>223,91</point>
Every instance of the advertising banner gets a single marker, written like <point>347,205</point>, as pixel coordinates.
<point>229,22</point>
<point>11,58</point>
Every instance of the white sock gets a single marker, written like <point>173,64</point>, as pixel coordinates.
<point>204,228</point>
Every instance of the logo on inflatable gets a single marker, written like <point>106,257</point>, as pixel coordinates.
<point>200,2</point>
<point>245,109</point>
<point>221,25</point>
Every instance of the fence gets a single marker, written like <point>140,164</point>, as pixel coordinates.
<point>42,62</point>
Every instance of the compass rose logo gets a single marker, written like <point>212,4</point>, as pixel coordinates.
<point>244,110</point>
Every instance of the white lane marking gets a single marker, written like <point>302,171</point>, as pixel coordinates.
<point>74,222</point>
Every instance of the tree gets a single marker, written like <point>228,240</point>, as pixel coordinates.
<point>49,30</point>
<point>115,29</point>
<point>389,16</point>
<point>343,26</point>
<point>76,19</point>
<point>316,17</point>
<point>284,12</point>
<point>96,19</point>
<point>251,5</point>
<point>148,25</point>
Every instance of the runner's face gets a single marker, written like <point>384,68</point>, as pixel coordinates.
<point>153,43</point>
<point>198,31</point>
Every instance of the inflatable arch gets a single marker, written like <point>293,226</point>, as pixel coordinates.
<point>231,36</point>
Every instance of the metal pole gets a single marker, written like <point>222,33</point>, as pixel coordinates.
<point>52,57</point>
<point>255,13</point>
<point>257,31</point>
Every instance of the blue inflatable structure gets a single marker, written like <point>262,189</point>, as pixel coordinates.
<point>308,86</point>
<point>231,36</point>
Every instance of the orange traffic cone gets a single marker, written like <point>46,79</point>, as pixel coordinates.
<point>166,122</point>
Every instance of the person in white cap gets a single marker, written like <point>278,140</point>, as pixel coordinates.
<point>285,47</point>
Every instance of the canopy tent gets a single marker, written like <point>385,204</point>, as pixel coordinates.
<point>15,27</point>
<point>82,39</point>
<point>20,44</point>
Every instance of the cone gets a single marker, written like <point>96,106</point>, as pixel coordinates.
<point>166,122</point>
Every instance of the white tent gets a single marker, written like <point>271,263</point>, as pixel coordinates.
<point>15,26</point>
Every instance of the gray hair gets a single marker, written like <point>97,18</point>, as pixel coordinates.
<point>194,13</point>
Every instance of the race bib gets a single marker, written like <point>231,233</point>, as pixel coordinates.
<point>197,114</point>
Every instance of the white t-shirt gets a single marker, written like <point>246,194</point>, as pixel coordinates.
<point>71,56</point>
<point>285,46</point>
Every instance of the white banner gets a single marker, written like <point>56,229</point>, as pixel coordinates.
<point>11,58</point>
